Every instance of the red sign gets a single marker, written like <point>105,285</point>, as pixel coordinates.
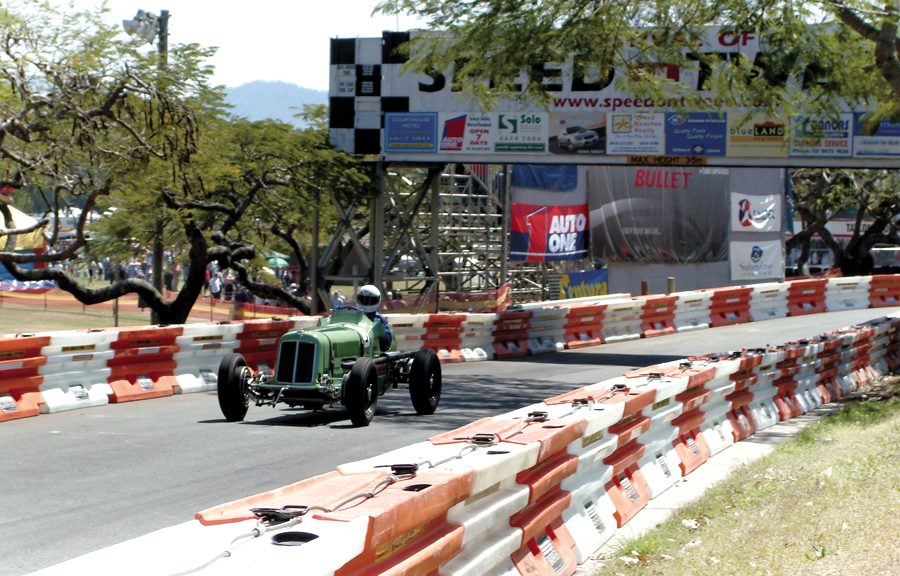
<point>452,137</point>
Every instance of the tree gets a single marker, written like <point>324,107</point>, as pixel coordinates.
<point>320,176</point>
<point>90,121</point>
<point>835,49</point>
<point>83,114</point>
<point>865,194</point>
<point>258,186</point>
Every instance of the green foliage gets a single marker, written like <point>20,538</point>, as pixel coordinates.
<point>862,414</point>
<point>819,195</point>
<point>140,135</point>
<point>818,54</point>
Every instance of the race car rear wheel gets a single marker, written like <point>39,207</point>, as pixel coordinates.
<point>231,387</point>
<point>361,392</point>
<point>425,381</point>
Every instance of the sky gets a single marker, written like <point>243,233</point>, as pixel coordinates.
<point>274,40</point>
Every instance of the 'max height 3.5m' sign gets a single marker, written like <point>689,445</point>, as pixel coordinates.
<point>376,108</point>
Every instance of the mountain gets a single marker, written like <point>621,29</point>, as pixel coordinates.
<point>259,100</point>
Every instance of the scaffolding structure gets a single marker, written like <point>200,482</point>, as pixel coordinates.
<point>430,228</point>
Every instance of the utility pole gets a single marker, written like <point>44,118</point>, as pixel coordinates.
<point>148,26</point>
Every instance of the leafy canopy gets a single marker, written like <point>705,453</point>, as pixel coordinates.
<point>816,54</point>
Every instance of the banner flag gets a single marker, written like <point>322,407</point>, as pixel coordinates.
<point>548,214</point>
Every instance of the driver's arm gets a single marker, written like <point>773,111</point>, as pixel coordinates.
<point>385,336</point>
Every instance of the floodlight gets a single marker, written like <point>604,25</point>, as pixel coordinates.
<point>144,25</point>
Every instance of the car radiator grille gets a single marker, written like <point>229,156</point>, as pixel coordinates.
<point>295,363</point>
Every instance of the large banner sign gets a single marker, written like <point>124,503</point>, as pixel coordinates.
<point>755,213</point>
<point>756,260</point>
<point>378,107</point>
<point>548,214</point>
<point>658,215</point>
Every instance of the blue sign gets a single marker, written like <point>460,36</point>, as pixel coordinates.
<point>884,128</point>
<point>695,134</point>
<point>583,284</point>
<point>410,132</point>
<point>885,142</point>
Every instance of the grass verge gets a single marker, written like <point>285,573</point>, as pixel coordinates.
<point>16,319</point>
<point>825,502</point>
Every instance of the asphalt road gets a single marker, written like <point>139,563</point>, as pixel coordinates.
<point>74,482</point>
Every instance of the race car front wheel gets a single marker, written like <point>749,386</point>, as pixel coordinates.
<point>361,392</point>
<point>232,388</point>
<point>425,381</point>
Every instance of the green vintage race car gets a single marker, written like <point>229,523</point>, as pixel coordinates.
<point>337,362</point>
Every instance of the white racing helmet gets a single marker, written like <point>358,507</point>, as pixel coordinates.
<point>368,298</point>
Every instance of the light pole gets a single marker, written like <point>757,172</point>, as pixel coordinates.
<point>149,26</point>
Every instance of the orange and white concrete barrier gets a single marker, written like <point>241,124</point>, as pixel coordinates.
<point>143,365</point>
<point>77,371</point>
<point>20,378</point>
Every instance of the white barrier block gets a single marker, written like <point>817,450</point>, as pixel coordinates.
<point>808,387</point>
<point>81,339</point>
<point>769,300</point>
<point>479,323</point>
<point>490,467</point>
<point>599,418</point>
<point>544,344</point>
<point>407,321</point>
<point>660,464</point>
<point>802,400</point>
<point>590,520</point>
<point>475,354</point>
<point>661,414</point>
<point>590,462</point>
<point>481,517</point>
<point>717,395</point>
<point>75,373</point>
<point>548,330</point>
<point>692,310</point>
<point>201,348</point>
<point>848,293</point>
<point>765,412</point>
<point>488,539</point>
<point>197,378</point>
<point>84,362</point>
<point>716,428</point>
<point>763,408</point>
<point>721,380</point>
<point>73,390</point>
<point>623,321</point>
<point>409,340</point>
<point>666,388</point>
<point>471,338</point>
<point>879,363</point>
<point>409,330</point>
<point>493,559</point>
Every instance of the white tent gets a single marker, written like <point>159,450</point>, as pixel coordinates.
<point>21,220</point>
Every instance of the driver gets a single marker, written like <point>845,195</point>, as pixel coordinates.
<point>368,299</point>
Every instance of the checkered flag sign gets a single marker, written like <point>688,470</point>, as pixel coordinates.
<point>359,97</point>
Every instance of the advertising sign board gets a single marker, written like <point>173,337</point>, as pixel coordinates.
<point>756,260</point>
<point>755,213</point>
<point>377,106</point>
<point>548,214</point>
